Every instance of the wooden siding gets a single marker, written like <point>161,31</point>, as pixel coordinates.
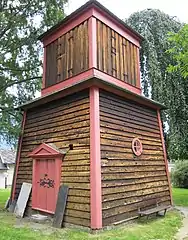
<point>68,55</point>
<point>62,122</point>
<point>128,180</point>
<point>116,56</point>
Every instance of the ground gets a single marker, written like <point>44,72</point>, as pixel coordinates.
<point>183,231</point>
<point>154,229</point>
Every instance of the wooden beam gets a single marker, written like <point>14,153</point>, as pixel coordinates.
<point>165,156</point>
<point>68,83</point>
<point>18,156</point>
<point>113,80</point>
<point>92,31</point>
<point>44,68</point>
<point>95,160</point>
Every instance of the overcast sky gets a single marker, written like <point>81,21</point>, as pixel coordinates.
<point>123,8</point>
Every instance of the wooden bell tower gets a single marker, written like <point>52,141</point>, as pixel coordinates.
<point>91,42</point>
<point>92,124</point>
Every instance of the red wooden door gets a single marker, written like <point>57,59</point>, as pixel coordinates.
<point>46,186</point>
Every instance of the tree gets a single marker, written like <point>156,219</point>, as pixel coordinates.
<point>21,22</point>
<point>157,82</point>
<point>179,51</point>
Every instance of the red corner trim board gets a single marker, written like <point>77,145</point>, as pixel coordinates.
<point>18,156</point>
<point>95,158</point>
<point>164,152</point>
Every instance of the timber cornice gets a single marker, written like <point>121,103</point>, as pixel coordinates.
<point>86,83</point>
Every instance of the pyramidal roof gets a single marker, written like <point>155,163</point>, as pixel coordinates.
<point>88,5</point>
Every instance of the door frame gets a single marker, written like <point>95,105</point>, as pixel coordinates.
<point>47,152</point>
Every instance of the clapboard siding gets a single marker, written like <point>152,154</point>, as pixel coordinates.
<point>116,56</point>
<point>63,122</point>
<point>68,55</point>
<point>128,180</point>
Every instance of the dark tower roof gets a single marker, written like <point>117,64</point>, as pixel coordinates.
<point>91,4</point>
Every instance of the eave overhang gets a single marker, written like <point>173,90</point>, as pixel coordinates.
<point>85,84</point>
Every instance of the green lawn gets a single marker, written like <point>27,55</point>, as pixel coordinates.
<point>160,228</point>
<point>180,196</point>
<point>4,194</point>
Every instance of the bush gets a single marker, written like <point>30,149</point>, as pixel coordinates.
<point>180,174</point>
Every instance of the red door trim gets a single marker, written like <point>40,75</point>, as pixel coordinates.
<point>57,181</point>
<point>33,199</point>
<point>45,151</point>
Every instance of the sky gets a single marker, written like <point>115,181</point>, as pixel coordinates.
<point>124,8</point>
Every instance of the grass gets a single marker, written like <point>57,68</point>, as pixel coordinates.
<point>160,228</point>
<point>4,194</point>
<point>180,196</point>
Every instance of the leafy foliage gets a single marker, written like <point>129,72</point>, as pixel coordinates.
<point>166,87</point>
<point>179,51</point>
<point>21,22</point>
<point>180,174</point>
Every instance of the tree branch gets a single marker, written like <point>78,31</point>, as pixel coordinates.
<point>18,82</point>
<point>17,70</point>
<point>8,110</point>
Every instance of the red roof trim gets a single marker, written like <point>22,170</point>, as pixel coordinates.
<point>45,150</point>
<point>79,86</point>
<point>80,11</point>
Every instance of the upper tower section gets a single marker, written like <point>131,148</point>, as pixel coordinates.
<point>91,42</point>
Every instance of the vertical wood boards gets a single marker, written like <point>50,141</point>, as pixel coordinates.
<point>60,206</point>
<point>128,180</point>
<point>99,45</point>
<point>51,63</point>
<point>68,55</point>
<point>113,54</point>
<point>62,122</point>
<point>116,55</point>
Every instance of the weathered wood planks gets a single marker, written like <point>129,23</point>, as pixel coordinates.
<point>128,180</point>
<point>68,55</point>
<point>60,206</point>
<point>63,122</point>
<point>116,55</point>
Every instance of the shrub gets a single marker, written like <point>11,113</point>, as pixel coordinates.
<point>180,174</point>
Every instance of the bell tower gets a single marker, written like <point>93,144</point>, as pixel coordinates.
<point>92,130</point>
<point>91,42</point>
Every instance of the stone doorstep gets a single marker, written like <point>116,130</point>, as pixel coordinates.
<point>39,218</point>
